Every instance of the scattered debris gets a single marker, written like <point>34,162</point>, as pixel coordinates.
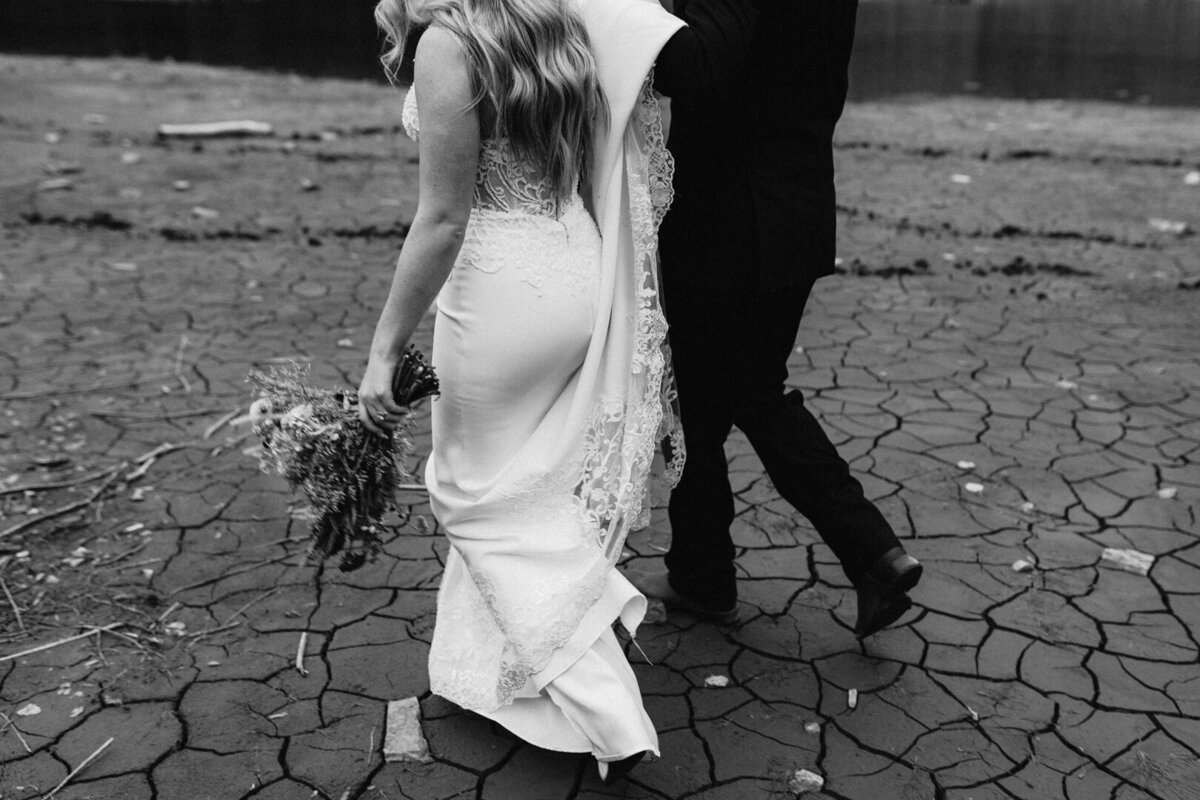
<point>802,781</point>
<point>974,714</point>
<point>716,681</point>
<point>215,130</point>
<point>1129,560</point>
<point>300,654</point>
<point>62,168</point>
<point>1168,492</point>
<point>1171,226</point>
<point>852,698</point>
<point>1023,565</point>
<point>404,740</point>
<point>29,710</point>
<point>55,185</point>
<point>973,488</point>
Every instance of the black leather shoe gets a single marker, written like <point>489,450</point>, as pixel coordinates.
<point>658,586</point>
<point>882,597</point>
<point>619,769</point>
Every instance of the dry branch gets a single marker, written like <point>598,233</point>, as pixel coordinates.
<point>221,423</point>
<point>67,640</point>
<point>78,769</point>
<point>67,509</point>
<point>12,602</point>
<point>8,723</point>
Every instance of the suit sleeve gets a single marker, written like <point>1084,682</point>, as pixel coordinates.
<point>708,55</point>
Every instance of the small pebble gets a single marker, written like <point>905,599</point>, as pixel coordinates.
<point>716,681</point>
<point>802,781</point>
<point>852,698</point>
<point>960,178</point>
<point>966,465</point>
<point>1021,565</point>
<point>973,488</point>
<point>1167,492</point>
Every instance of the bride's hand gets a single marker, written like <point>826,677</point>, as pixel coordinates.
<point>377,409</point>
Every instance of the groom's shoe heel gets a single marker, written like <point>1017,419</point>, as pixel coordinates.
<point>882,591</point>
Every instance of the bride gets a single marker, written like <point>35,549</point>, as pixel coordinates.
<point>543,177</point>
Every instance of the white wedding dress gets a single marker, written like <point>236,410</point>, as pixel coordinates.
<point>529,595</point>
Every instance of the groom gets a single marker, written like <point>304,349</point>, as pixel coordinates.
<point>750,232</point>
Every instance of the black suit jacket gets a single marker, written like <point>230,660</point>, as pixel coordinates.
<point>757,87</point>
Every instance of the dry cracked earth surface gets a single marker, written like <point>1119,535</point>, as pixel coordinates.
<point>1009,360</point>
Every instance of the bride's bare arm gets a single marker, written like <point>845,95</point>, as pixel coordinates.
<point>449,148</point>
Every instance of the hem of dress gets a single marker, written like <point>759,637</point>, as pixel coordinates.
<point>619,600</point>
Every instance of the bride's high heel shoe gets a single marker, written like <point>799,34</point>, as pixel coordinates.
<point>613,771</point>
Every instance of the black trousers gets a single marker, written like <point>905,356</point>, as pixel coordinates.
<point>730,346</point>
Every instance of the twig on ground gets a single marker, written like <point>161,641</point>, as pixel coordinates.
<point>371,743</point>
<point>78,769</point>
<point>142,563</point>
<point>170,610</point>
<point>179,353</point>
<point>146,460</point>
<point>242,610</point>
<point>67,640</point>
<point>12,602</point>
<point>42,487</point>
<point>69,508</point>
<point>95,387</point>
<point>412,487</point>
<point>150,416</point>
<point>8,723</point>
<point>300,654</point>
<point>104,562</point>
<point>221,423</point>
<point>197,635</point>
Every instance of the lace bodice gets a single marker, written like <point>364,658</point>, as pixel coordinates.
<point>502,182</point>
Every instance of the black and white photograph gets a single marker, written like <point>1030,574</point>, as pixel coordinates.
<point>585,399</point>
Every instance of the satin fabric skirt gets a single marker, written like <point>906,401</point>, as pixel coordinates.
<point>513,326</point>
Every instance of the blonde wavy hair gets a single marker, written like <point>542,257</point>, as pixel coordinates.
<point>532,70</point>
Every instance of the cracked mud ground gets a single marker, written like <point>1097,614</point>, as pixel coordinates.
<point>1009,360</point>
